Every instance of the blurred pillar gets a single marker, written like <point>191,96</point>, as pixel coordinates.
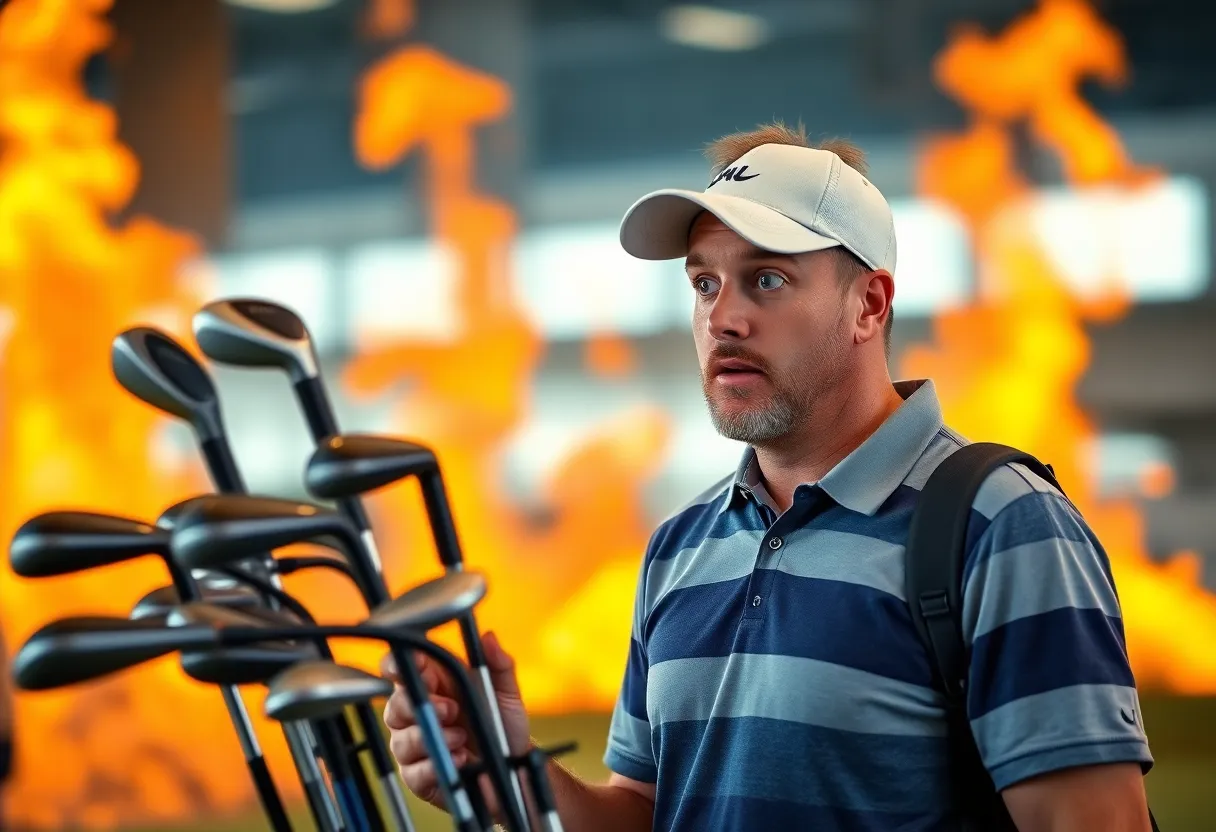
<point>170,70</point>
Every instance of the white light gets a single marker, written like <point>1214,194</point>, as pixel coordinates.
<point>284,6</point>
<point>933,262</point>
<point>400,290</point>
<point>577,279</point>
<point>1151,241</point>
<point>708,28</point>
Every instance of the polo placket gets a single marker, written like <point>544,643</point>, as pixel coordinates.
<point>809,501</point>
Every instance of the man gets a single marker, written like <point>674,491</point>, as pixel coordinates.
<point>775,679</point>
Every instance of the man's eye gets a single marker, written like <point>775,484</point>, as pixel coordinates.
<point>703,285</point>
<point>770,281</point>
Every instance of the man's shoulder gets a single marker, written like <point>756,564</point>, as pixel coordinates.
<point>1004,486</point>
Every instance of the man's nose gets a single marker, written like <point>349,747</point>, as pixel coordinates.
<point>729,317</point>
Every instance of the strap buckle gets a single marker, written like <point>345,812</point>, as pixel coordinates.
<point>934,604</point>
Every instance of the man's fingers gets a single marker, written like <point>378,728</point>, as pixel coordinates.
<point>388,668</point>
<point>399,713</point>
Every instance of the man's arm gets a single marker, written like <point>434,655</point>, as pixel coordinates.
<point>1051,696</point>
<point>620,805</point>
<point>1108,797</point>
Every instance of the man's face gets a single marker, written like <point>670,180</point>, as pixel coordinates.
<point>770,330</point>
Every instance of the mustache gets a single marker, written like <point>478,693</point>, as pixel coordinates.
<point>724,351</point>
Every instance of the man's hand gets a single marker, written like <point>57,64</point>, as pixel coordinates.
<point>1107,797</point>
<point>417,770</point>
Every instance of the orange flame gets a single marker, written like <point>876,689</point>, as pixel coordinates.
<point>1007,367</point>
<point>70,280</point>
<point>561,587</point>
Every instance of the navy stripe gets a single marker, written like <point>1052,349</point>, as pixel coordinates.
<point>746,814</point>
<point>694,526</point>
<point>1031,518</point>
<point>889,523</point>
<point>800,764</point>
<point>804,618</point>
<point>1046,652</point>
<point>694,622</point>
<point>633,692</point>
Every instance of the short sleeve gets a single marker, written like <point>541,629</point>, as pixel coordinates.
<point>1050,684</point>
<point>630,752</point>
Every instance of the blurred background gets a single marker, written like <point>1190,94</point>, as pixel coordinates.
<point>435,188</point>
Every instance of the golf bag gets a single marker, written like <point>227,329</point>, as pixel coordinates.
<point>933,563</point>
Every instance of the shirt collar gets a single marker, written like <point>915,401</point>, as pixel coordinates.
<point>864,479</point>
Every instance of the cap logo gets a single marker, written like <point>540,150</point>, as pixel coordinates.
<point>734,174</point>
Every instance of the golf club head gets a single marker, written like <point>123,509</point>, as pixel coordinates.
<point>318,689</point>
<point>343,466</point>
<point>162,601</point>
<point>63,542</point>
<point>252,664</point>
<point>218,529</point>
<point>433,603</point>
<point>158,370</point>
<point>215,617</point>
<point>82,648</point>
<point>251,332</point>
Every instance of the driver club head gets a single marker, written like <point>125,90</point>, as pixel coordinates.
<point>83,648</point>
<point>433,603</point>
<point>158,370</point>
<point>250,664</point>
<point>252,332</point>
<point>63,542</point>
<point>161,601</point>
<point>351,464</point>
<point>218,529</point>
<point>318,689</point>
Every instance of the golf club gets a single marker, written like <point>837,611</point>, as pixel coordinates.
<point>63,542</point>
<point>79,649</point>
<point>320,688</point>
<point>343,466</point>
<point>159,371</point>
<point>251,332</point>
<point>161,600</point>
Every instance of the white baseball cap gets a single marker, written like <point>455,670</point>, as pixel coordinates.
<point>782,198</point>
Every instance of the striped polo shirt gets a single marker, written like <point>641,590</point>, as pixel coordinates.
<point>775,679</point>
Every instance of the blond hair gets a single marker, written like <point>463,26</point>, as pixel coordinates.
<point>721,152</point>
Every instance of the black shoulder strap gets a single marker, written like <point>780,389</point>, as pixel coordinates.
<point>933,584</point>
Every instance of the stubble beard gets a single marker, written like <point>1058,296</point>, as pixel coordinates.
<point>788,405</point>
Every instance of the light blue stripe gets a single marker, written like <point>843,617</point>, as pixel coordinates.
<point>1035,578</point>
<point>1038,725</point>
<point>630,735</point>
<point>715,560</point>
<point>1006,484</point>
<point>844,556</point>
<point>942,445</point>
<point>792,689</point>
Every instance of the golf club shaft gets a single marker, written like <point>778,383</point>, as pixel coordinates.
<point>320,802</point>
<point>259,771</point>
<point>226,477</point>
<point>447,543</point>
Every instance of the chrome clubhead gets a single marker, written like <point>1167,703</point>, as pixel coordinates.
<point>318,689</point>
<point>433,603</point>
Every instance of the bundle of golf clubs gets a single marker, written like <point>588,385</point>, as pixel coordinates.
<point>226,614</point>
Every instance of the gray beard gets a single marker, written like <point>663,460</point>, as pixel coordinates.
<point>755,426</point>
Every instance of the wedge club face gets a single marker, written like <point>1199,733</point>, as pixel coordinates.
<point>162,601</point>
<point>344,466</point>
<point>218,529</point>
<point>158,370</point>
<point>62,542</point>
<point>83,648</point>
<point>433,603</point>
<point>318,689</point>
<point>252,664</point>
<point>251,332</point>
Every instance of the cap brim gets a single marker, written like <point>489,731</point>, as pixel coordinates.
<point>656,227</point>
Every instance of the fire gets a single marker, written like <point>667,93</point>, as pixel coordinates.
<point>1007,367</point>
<point>561,586</point>
<point>70,280</point>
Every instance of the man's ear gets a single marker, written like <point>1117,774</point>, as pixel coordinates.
<point>876,290</point>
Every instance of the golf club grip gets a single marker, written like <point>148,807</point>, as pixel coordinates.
<point>269,795</point>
